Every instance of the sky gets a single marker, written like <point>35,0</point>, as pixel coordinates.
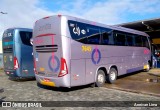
<point>24,13</point>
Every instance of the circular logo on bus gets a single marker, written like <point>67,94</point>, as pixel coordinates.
<point>53,63</point>
<point>96,56</point>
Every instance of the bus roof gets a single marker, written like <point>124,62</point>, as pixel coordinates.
<point>118,28</point>
<point>19,28</point>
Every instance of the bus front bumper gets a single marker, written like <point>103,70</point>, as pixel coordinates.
<point>11,73</point>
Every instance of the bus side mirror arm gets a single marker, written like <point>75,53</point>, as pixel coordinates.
<point>31,41</point>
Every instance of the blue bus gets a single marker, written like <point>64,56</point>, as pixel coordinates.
<point>17,53</point>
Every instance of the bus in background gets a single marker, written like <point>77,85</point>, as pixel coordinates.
<point>17,53</point>
<point>69,51</point>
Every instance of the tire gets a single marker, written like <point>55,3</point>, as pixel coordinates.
<point>148,67</point>
<point>112,76</point>
<point>100,79</point>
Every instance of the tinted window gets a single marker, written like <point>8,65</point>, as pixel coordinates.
<point>145,42</point>
<point>93,35</point>
<point>25,37</point>
<point>78,31</point>
<point>138,41</point>
<point>129,40</point>
<point>119,39</point>
<point>107,38</point>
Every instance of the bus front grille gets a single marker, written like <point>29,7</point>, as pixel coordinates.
<point>47,48</point>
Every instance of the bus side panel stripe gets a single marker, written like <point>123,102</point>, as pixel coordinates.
<point>49,34</point>
<point>52,52</point>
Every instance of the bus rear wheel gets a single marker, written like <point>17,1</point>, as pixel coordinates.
<point>112,76</point>
<point>101,78</point>
<point>148,67</point>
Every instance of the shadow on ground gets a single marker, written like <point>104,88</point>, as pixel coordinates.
<point>63,89</point>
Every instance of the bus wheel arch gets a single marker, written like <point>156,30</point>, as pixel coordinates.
<point>112,74</point>
<point>100,76</point>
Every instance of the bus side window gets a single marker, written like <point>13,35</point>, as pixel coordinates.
<point>138,41</point>
<point>119,39</point>
<point>93,35</point>
<point>145,42</point>
<point>129,40</point>
<point>105,39</point>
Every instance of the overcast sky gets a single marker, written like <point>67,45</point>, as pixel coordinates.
<point>23,13</point>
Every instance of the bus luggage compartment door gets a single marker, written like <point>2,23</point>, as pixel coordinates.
<point>77,72</point>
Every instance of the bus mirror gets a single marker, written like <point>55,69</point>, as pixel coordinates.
<point>31,41</point>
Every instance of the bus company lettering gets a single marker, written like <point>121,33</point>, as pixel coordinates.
<point>38,41</point>
<point>44,27</point>
<point>7,34</point>
<point>86,48</point>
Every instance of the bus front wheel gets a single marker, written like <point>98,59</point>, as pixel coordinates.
<point>101,78</point>
<point>112,76</point>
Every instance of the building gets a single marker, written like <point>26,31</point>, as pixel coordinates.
<point>150,26</point>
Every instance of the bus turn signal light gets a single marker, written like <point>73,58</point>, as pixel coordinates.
<point>16,65</point>
<point>64,69</point>
<point>35,67</point>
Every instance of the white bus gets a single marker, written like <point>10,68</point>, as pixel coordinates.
<point>69,51</point>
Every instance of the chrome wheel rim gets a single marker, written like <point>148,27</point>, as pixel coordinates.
<point>100,78</point>
<point>113,75</point>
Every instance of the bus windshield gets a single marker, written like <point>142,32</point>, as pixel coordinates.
<point>25,37</point>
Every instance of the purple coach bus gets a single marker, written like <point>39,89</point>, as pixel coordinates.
<point>69,51</point>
